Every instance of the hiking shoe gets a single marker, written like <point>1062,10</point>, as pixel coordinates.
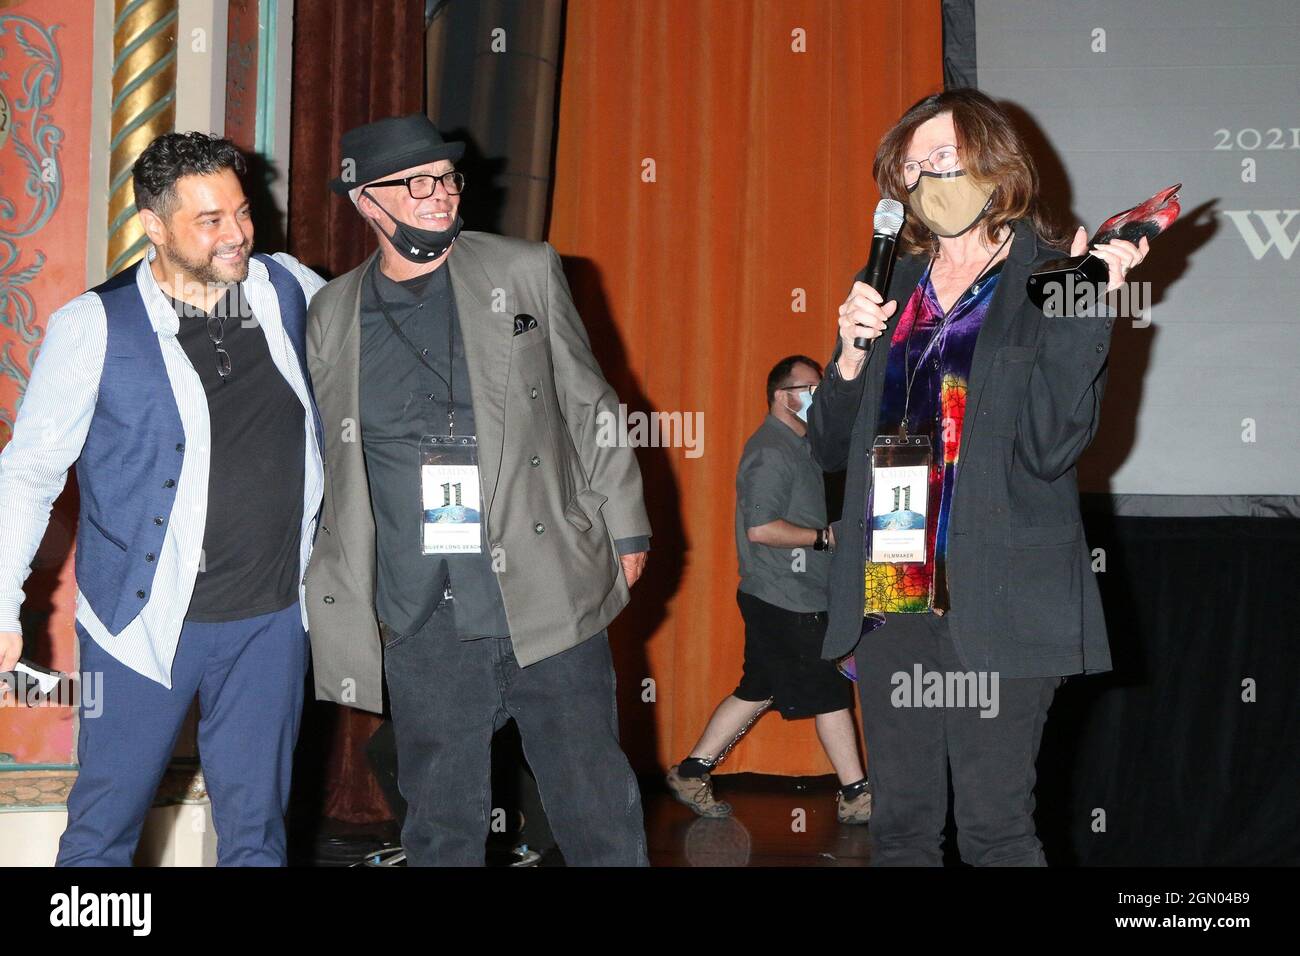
<point>856,810</point>
<point>697,793</point>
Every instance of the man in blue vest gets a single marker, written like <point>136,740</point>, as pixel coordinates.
<point>178,388</point>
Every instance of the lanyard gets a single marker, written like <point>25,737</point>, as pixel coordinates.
<point>451,356</point>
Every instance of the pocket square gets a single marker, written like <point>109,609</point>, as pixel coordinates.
<point>524,322</point>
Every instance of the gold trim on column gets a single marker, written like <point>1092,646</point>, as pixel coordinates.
<point>144,107</point>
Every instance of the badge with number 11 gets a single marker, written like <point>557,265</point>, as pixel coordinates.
<point>900,492</point>
<point>450,494</point>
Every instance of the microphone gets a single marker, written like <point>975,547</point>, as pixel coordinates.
<point>880,264</point>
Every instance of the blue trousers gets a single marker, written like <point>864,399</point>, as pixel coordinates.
<point>249,679</point>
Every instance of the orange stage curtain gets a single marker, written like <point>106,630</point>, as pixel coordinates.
<point>690,284</point>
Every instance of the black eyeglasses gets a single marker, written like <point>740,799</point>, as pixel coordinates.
<point>423,185</point>
<point>812,389</point>
<point>217,333</point>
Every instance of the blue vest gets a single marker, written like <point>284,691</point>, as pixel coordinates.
<point>130,465</point>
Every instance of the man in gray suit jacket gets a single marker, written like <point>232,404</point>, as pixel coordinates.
<point>476,538</point>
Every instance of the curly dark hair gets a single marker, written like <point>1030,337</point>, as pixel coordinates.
<point>173,155</point>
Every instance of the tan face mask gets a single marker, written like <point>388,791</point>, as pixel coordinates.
<point>949,203</point>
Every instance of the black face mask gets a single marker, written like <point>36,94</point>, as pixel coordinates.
<point>420,245</point>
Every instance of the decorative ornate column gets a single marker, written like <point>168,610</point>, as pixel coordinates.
<point>144,106</point>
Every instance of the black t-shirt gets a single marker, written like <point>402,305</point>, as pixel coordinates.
<point>401,401</point>
<point>251,541</point>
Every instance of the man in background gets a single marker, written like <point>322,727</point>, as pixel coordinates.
<point>783,542</point>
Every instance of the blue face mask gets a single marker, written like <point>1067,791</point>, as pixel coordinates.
<point>805,403</point>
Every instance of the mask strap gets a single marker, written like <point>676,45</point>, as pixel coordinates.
<point>365,191</point>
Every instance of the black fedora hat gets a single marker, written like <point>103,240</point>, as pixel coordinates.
<point>386,146</point>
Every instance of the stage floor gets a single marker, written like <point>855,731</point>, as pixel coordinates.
<point>777,821</point>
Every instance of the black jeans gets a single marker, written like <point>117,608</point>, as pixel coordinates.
<point>449,696</point>
<point>912,742</point>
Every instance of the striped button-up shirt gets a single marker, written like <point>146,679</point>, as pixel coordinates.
<point>51,429</point>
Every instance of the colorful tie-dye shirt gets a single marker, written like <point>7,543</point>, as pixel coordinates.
<point>938,352</point>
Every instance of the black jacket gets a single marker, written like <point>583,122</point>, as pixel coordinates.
<point>1024,601</point>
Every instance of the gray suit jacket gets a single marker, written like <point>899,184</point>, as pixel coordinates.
<point>1025,601</point>
<point>554,499</point>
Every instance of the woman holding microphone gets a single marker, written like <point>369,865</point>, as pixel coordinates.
<point>962,585</point>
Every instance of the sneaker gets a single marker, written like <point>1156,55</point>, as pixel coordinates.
<point>855,811</point>
<point>697,793</point>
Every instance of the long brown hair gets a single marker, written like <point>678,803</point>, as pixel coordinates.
<point>991,150</point>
